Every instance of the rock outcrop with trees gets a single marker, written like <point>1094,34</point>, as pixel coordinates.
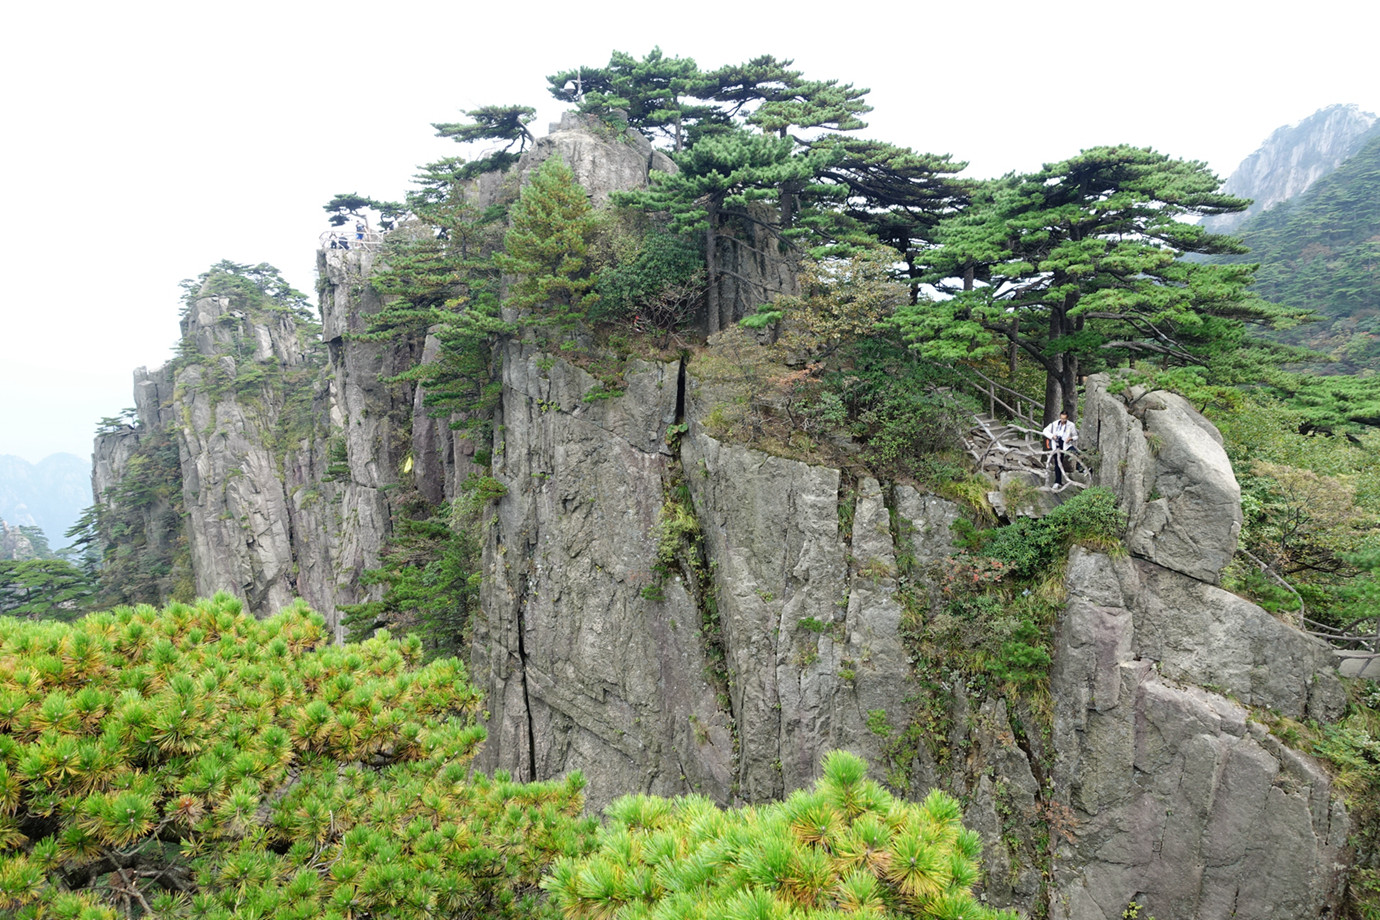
<point>657,422</point>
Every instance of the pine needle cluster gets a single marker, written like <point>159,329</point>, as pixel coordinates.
<point>846,849</point>
<point>196,762</point>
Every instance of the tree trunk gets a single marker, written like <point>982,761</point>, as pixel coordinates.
<point>1054,393</point>
<point>1013,350</point>
<point>1069,383</point>
<point>711,269</point>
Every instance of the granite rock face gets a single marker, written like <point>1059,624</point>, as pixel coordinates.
<point>14,544</point>
<point>733,683</point>
<point>1294,157</point>
<point>1171,476</point>
<point>603,161</point>
<point>581,670</point>
<point>1178,799</point>
<point>786,622</point>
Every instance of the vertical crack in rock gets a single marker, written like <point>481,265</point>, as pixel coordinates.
<point>848,504</point>
<point>699,580</point>
<point>680,399</point>
<point>520,609</point>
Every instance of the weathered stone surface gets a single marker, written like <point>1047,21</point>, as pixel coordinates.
<point>930,520</point>
<point>1182,803</point>
<point>14,544</point>
<point>603,161</point>
<point>1171,475</point>
<point>1204,635</point>
<point>234,498</point>
<point>581,669</point>
<point>1291,159</point>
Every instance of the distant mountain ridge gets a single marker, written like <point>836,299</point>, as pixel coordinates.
<point>1321,251</point>
<point>14,543</point>
<point>50,494</point>
<point>1293,158</point>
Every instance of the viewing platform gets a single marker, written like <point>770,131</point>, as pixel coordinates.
<point>366,239</point>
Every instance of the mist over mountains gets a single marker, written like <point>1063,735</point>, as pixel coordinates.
<point>49,494</point>
<point>1293,158</point>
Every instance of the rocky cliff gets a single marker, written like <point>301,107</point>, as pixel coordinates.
<point>1153,781</point>
<point>49,494</point>
<point>671,612</point>
<point>1293,158</point>
<point>268,458</point>
<point>15,544</point>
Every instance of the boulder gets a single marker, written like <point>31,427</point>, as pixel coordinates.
<point>1177,798</point>
<point>1171,475</point>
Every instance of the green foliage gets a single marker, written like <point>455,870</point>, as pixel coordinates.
<point>1331,405</point>
<point>841,301</point>
<point>673,99</point>
<point>38,541</point>
<point>894,195</point>
<point>654,95</point>
<point>1319,252</point>
<point>480,490</point>
<point>1031,546</point>
<point>1082,271</point>
<point>351,206</point>
<point>546,249</point>
<point>134,532</point>
<point>431,575</point>
<point>659,280</point>
<point>846,847</point>
<point>44,589</point>
<point>767,94</point>
<point>199,763</point>
<point>717,183</point>
<point>439,278</point>
<point>884,397</point>
<point>1311,506</point>
<point>250,287</point>
<point>1351,748</point>
<point>1000,595</point>
<point>505,123</point>
<point>677,533</point>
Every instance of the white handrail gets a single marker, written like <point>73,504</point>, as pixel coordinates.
<point>345,239</point>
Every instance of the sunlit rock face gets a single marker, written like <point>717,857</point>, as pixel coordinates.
<point>1293,158</point>
<point>1179,799</point>
<point>1171,476</point>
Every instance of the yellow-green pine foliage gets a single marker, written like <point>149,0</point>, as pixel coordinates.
<point>846,849</point>
<point>196,762</point>
<point>546,249</point>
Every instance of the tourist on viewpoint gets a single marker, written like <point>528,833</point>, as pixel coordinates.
<point>1061,436</point>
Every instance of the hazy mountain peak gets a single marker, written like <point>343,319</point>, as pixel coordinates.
<point>1295,156</point>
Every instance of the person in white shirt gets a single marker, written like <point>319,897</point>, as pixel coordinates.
<point>1061,435</point>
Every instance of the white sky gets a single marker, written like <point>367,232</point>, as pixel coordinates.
<point>144,142</point>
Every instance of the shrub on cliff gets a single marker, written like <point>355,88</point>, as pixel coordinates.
<point>546,249</point>
<point>847,848</point>
<point>199,763</point>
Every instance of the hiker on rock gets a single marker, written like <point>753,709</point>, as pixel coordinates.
<point>1061,435</point>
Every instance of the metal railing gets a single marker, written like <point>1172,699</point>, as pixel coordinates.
<point>344,239</point>
<point>1016,404</point>
<point>1350,643</point>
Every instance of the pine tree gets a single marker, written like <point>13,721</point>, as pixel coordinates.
<point>546,249</point>
<point>847,846</point>
<point>717,181</point>
<point>1083,267</point>
<point>197,762</point>
<point>657,95</point>
<point>504,123</point>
